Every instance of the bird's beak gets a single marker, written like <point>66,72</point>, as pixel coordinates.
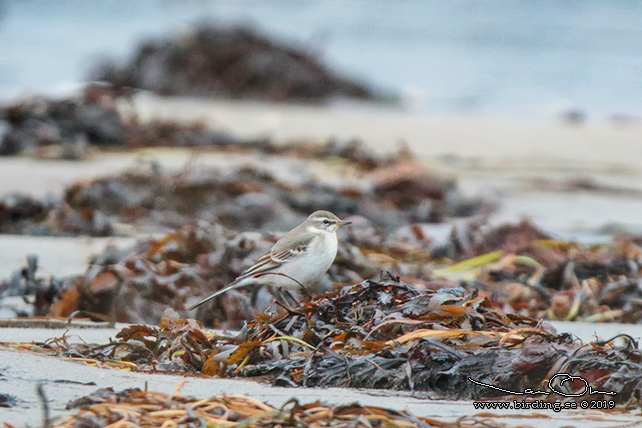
<point>343,223</point>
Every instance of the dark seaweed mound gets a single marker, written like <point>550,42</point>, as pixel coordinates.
<point>235,62</point>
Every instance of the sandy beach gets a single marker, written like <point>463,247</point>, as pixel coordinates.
<point>61,381</point>
<point>487,141</point>
<point>516,164</point>
<point>486,162</point>
<point>500,159</point>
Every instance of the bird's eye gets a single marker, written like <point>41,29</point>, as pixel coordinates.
<point>326,221</point>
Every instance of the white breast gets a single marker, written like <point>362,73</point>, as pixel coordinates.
<point>318,258</point>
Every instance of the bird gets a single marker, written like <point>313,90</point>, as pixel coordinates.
<point>296,260</point>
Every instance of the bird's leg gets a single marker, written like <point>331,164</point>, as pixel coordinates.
<point>285,306</point>
<point>286,293</point>
<point>289,277</point>
<point>282,297</point>
<point>254,296</point>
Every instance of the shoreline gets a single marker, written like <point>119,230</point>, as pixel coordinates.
<point>499,159</point>
<point>604,145</point>
<point>484,168</point>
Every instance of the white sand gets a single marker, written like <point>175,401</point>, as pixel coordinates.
<point>24,371</point>
<point>428,136</point>
<point>488,156</point>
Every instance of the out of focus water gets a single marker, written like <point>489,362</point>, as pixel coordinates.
<point>523,58</point>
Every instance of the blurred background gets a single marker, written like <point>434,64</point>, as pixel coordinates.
<point>433,122</point>
<point>527,104</point>
<point>521,59</point>
<point>152,150</point>
<point>530,103</point>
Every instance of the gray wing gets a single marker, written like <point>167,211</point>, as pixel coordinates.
<point>287,248</point>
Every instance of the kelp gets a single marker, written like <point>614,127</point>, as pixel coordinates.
<point>134,407</point>
<point>522,270</point>
<point>384,335</point>
<point>138,284</point>
<point>73,128</point>
<point>392,191</point>
<point>238,62</point>
<point>250,198</point>
<point>518,268</point>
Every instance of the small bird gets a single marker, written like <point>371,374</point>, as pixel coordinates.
<point>297,260</point>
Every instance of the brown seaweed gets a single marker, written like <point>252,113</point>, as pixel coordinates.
<point>384,335</point>
<point>231,62</point>
<point>152,409</point>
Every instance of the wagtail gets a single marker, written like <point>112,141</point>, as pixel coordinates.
<point>297,260</point>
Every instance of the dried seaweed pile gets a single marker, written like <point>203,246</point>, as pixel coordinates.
<point>516,267</point>
<point>94,118</point>
<point>153,409</point>
<point>377,335</point>
<point>139,284</point>
<point>242,198</point>
<point>232,62</point>
<point>91,118</point>
<point>23,213</point>
<point>524,271</point>
<point>214,61</point>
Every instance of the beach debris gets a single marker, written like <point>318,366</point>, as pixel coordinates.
<point>384,335</point>
<point>153,409</point>
<point>93,119</point>
<point>21,214</point>
<point>7,400</point>
<point>66,128</point>
<point>231,62</point>
<point>517,267</point>
<point>138,284</point>
<point>97,117</point>
<point>526,272</point>
<point>40,122</point>
<point>241,197</point>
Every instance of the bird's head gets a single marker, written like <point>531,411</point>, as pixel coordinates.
<point>324,221</point>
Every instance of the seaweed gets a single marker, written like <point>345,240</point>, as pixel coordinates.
<point>231,62</point>
<point>153,409</point>
<point>383,335</point>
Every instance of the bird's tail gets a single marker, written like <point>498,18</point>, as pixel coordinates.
<point>232,286</point>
